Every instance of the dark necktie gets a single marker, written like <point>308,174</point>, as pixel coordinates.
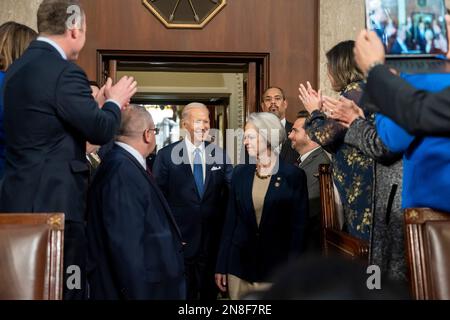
<point>149,172</point>
<point>198,172</point>
<point>299,161</point>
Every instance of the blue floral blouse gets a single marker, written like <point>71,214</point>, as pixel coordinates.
<point>352,170</point>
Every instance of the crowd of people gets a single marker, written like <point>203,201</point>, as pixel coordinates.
<point>190,225</point>
<point>415,33</point>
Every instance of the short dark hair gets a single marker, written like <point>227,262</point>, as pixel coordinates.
<point>281,90</point>
<point>53,15</point>
<point>342,65</point>
<point>303,114</point>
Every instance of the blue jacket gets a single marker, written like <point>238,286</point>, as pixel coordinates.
<point>426,171</point>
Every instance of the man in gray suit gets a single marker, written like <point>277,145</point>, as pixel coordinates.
<point>311,156</point>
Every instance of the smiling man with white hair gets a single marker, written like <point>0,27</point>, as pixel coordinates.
<point>194,175</point>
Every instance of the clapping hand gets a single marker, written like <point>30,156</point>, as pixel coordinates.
<point>100,96</point>
<point>343,110</point>
<point>311,99</point>
<point>122,91</point>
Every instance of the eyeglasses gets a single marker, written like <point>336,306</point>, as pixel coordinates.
<point>156,130</point>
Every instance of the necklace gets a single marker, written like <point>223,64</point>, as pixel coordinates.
<point>263,177</point>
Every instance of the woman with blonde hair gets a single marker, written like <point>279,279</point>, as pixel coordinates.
<point>267,212</point>
<point>14,40</point>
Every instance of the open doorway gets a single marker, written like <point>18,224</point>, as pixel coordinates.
<point>229,84</point>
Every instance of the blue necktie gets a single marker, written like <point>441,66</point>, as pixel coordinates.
<point>198,172</point>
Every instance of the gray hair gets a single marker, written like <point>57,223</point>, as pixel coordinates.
<point>135,119</point>
<point>194,105</point>
<point>269,125</point>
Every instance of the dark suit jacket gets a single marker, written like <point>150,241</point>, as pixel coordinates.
<point>311,167</point>
<point>200,219</point>
<point>49,115</point>
<point>251,252</point>
<point>287,154</point>
<point>135,249</point>
<point>418,111</point>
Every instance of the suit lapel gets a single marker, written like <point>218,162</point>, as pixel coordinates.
<point>310,159</point>
<point>276,181</point>
<point>165,204</point>
<point>209,162</point>
<point>186,165</point>
<point>246,188</point>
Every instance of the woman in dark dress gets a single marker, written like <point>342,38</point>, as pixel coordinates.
<point>267,212</point>
<point>352,169</point>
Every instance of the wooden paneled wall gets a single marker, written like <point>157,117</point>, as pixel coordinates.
<point>287,29</point>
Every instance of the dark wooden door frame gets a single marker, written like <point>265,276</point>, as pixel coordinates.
<point>257,65</point>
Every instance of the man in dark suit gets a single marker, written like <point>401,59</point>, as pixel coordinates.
<point>135,248</point>
<point>311,156</point>
<point>49,115</point>
<point>399,45</point>
<point>417,111</point>
<point>195,175</point>
<point>274,101</point>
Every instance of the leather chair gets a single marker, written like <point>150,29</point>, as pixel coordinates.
<point>428,253</point>
<point>31,256</point>
<point>334,240</point>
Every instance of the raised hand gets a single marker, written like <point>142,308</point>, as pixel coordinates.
<point>368,50</point>
<point>122,91</point>
<point>311,99</point>
<point>100,96</point>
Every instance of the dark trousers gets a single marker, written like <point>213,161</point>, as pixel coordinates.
<point>75,258</point>
<point>200,284</point>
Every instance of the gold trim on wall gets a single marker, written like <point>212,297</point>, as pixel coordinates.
<point>185,25</point>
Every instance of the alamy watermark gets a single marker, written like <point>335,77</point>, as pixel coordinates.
<point>374,280</point>
<point>75,18</point>
<point>234,149</point>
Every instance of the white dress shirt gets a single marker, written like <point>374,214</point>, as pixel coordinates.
<point>134,153</point>
<point>283,122</point>
<point>54,45</point>
<point>190,150</point>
